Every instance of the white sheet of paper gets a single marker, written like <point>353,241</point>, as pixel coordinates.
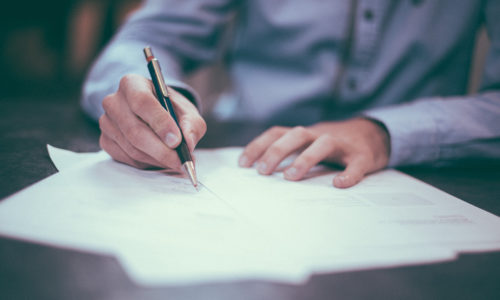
<point>240,224</point>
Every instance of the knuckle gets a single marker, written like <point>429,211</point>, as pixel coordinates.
<point>137,101</point>
<point>299,129</point>
<point>327,140</point>
<point>301,132</point>
<point>102,123</point>
<point>256,146</point>
<point>108,102</point>
<point>103,143</point>
<point>275,151</point>
<point>134,134</point>
<point>276,130</point>
<point>105,125</point>
<point>126,81</point>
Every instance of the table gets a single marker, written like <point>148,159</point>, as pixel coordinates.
<point>32,271</point>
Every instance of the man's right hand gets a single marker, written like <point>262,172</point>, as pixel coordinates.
<point>138,131</point>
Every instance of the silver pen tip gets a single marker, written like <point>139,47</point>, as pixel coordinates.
<point>189,165</point>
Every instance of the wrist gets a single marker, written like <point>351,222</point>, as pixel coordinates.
<point>380,138</point>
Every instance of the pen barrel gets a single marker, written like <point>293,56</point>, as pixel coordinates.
<point>183,151</point>
<point>156,83</point>
<point>163,97</point>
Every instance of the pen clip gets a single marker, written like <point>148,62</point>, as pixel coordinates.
<point>159,75</point>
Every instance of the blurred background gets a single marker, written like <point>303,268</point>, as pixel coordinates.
<point>48,46</point>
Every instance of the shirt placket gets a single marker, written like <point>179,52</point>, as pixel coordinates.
<point>366,34</point>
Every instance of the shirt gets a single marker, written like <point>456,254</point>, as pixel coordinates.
<point>403,63</point>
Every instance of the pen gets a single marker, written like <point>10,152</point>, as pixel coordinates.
<point>164,98</point>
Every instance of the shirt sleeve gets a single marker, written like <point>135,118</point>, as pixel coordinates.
<point>183,35</point>
<point>441,130</point>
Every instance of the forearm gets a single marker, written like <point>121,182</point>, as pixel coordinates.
<point>183,36</point>
<point>121,58</point>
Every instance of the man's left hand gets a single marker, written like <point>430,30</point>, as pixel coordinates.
<point>361,145</point>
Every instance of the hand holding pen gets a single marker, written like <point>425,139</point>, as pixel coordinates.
<point>163,95</point>
<point>138,131</point>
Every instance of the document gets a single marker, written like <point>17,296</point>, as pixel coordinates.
<point>241,225</point>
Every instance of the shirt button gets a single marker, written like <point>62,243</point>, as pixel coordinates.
<point>368,15</point>
<point>352,84</point>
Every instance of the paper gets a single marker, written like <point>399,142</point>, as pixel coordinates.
<point>241,225</point>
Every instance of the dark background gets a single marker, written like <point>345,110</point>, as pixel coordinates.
<point>47,46</point>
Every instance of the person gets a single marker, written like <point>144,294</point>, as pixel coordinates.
<point>362,84</point>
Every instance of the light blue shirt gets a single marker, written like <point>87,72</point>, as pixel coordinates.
<point>404,63</point>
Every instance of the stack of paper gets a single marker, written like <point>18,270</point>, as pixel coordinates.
<point>240,225</point>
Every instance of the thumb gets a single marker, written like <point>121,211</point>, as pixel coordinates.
<point>193,128</point>
<point>191,123</point>
<point>352,174</point>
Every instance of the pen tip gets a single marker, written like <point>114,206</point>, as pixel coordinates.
<point>189,165</point>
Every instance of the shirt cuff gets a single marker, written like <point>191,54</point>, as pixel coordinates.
<point>413,134</point>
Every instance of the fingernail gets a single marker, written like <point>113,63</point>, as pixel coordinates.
<point>262,167</point>
<point>341,178</point>
<point>171,140</point>
<point>243,161</point>
<point>341,181</point>
<point>291,173</point>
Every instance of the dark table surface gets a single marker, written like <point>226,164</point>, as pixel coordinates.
<point>32,271</point>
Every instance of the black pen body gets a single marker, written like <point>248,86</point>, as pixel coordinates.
<point>165,101</point>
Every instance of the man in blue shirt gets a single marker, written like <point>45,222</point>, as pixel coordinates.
<point>365,84</point>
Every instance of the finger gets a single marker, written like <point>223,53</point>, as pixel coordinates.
<point>296,138</point>
<point>258,146</point>
<point>111,131</point>
<point>192,124</point>
<point>139,95</point>
<point>114,150</point>
<point>323,147</point>
<point>139,134</point>
<point>354,171</point>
